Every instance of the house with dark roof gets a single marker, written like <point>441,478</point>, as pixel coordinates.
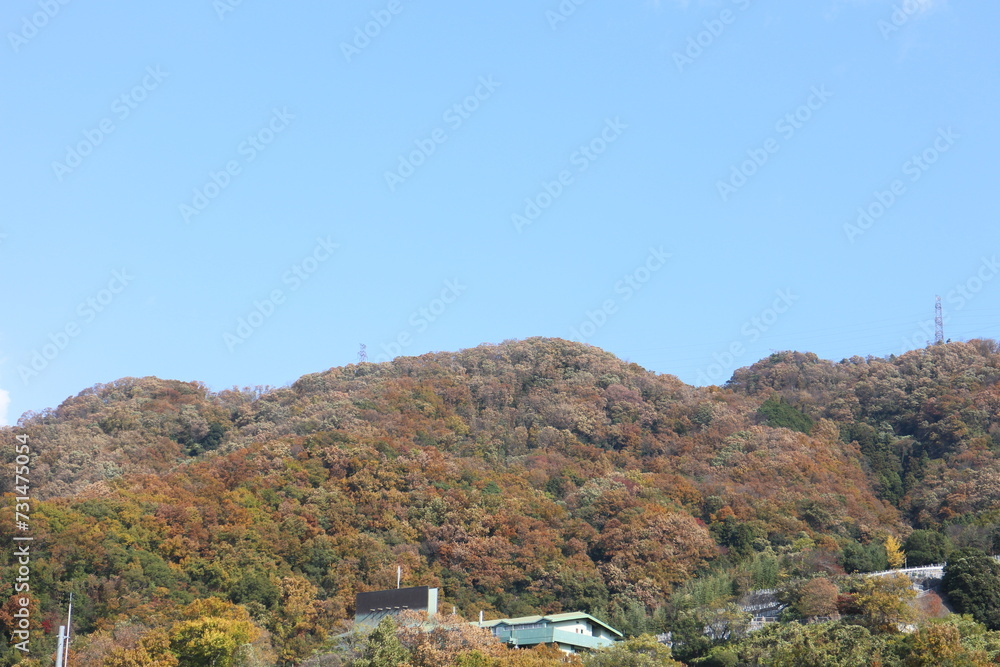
<point>372,607</point>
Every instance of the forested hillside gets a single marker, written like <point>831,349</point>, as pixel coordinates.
<point>528,477</point>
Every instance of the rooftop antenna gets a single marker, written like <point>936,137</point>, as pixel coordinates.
<point>938,323</point>
<point>363,354</point>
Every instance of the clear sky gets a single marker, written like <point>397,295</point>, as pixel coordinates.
<point>242,192</point>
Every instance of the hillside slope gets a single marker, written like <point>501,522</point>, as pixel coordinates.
<point>531,476</point>
<point>927,423</point>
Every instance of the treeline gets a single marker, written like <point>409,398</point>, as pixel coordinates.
<point>530,477</point>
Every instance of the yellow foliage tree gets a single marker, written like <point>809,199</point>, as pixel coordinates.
<point>215,633</point>
<point>153,650</point>
<point>940,644</point>
<point>884,602</point>
<point>894,552</point>
<point>212,641</point>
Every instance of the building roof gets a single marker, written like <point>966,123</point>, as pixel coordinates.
<point>551,618</point>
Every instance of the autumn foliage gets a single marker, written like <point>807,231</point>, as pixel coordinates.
<point>529,477</point>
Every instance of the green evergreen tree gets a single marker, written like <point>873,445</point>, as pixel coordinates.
<point>777,413</point>
<point>382,648</point>
<point>972,583</point>
<point>642,651</point>
<point>927,547</point>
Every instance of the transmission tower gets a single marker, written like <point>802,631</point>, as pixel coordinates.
<point>938,323</point>
<point>363,354</point>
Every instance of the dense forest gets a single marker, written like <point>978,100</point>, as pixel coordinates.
<point>535,476</point>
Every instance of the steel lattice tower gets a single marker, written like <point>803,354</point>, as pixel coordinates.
<point>938,323</point>
<point>363,354</point>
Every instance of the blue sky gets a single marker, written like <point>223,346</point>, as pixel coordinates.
<point>243,192</point>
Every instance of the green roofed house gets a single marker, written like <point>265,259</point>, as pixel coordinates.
<point>571,631</point>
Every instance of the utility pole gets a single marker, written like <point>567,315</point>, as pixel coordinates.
<point>62,647</point>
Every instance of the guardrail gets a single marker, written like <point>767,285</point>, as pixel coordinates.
<point>907,570</point>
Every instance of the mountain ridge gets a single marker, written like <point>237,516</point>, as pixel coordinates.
<point>531,476</point>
